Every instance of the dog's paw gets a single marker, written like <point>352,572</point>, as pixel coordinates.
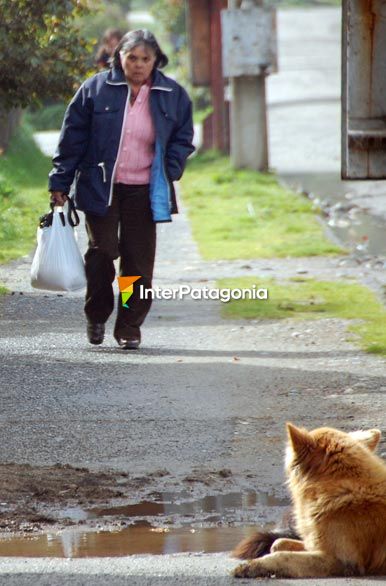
<point>251,570</point>
<point>242,571</point>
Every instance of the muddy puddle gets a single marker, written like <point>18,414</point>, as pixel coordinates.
<point>75,543</point>
<point>168,523</point>
<point>210,508</point>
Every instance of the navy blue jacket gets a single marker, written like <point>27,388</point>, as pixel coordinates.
<point>89,142</point>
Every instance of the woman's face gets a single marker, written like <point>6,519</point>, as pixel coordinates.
<point>137,64</point>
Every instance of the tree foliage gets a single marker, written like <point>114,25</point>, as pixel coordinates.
<point>171,14</point>
<point>42,53</point>
<point>104,14</point>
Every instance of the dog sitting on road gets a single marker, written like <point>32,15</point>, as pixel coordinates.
<point>338,488</point>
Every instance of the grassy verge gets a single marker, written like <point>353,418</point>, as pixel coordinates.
<point>246,214</point>
<point>23,194</point>
<point>310,299</point>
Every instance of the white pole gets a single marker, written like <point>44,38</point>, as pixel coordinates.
<point>249,136</point>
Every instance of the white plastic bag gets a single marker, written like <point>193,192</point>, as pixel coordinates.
<point>57,264</point>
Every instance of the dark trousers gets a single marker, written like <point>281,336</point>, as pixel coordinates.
<point>128,232</point>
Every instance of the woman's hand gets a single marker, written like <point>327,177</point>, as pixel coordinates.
<point>58,198</point>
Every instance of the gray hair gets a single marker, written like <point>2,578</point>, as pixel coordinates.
<point>139,37</point>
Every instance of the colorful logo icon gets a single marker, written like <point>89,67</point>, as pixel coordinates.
<point>126,288</point>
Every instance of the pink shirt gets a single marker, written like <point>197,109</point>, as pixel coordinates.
<point>136,153</point>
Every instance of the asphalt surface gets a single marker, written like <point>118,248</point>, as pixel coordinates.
<point>189,570</point>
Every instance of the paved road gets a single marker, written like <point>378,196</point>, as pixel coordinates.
<point>167,570</point>
<point>177,570</point>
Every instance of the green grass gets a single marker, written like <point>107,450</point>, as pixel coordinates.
<point>310,299</point>
<point>23,194</point>
<point>246,214</point>
<point>200,115</point>
<point>47,117</point>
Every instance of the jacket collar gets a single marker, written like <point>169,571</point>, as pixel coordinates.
<point>116,77</point>
<point>159,81</point>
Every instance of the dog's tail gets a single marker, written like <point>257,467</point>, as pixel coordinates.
<point>259,543</point>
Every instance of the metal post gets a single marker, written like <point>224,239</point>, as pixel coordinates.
<point>220,125</point>
<point>249,136</point>
<point>363,90</point>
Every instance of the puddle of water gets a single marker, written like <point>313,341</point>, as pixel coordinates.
<point>75,543</point>
<point>171,523</point>
<point>166,504</point>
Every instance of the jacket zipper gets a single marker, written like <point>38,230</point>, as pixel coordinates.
<point>119,147</point>
<point>102,166</point>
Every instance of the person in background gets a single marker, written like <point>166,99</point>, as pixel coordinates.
<point>125,138</point>
<point>105,52</point>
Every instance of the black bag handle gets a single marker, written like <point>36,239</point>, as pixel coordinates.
<point>72,214</point>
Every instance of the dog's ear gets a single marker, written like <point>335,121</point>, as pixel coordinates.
<point>369,437</point>
<point>300,439</point>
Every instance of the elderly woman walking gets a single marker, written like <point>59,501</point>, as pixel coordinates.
<point>125,138</point>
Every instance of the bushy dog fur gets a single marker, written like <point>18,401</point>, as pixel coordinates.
<point>338,489</point>
<point>260,543</point>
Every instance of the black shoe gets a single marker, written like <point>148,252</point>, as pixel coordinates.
<point>129,343</point>
<point>95,333</point>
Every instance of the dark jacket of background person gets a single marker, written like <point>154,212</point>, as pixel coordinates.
<point>91,134</point>
<point>102,59</point>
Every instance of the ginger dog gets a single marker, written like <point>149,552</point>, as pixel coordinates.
<point>338,488</point>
